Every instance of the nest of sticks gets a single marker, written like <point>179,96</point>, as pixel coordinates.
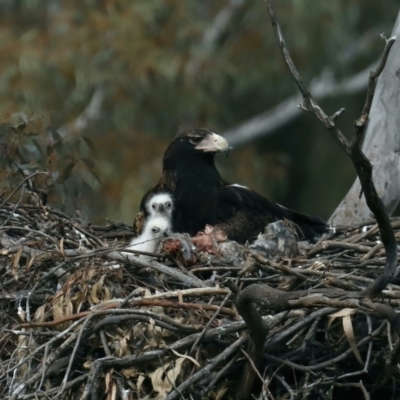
<point>81,320</point>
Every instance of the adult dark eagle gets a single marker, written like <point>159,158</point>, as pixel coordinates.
<point>202,197</point>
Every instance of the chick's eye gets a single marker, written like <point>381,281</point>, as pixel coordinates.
<point>153,206</point>
<point>169,205</point>
<point>155,230</point>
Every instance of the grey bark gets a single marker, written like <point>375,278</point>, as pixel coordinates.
<point>269,121</point>
<point>381,144</point>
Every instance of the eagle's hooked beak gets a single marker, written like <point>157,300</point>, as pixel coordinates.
<point>214,143</point>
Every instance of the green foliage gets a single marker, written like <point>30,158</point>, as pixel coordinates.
<point>65,175</point>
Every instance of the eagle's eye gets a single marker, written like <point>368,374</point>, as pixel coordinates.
<point>168,205</point>
<point>153,206</point>
<point>196,139</point>
<point>155,230</point>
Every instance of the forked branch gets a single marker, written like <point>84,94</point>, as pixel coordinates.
<point>360,161</point>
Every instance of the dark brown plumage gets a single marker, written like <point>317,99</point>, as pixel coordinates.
<point>201,196</point>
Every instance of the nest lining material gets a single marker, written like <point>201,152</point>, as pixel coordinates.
<point>81,320</point>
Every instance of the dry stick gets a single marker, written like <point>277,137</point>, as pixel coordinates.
<point>152,355</point>
<point>11,212</point>
<point>173,273</point>
<point>359,385</point>
<point>21,183</point>
<point>285,385</point>
<point>330,362</point>
<point>208,368</point>
<point>329,244</point>
<point>256,372</point>
<point>210,322</point>
<point>277,338</point>
<point>108,353</point>
<point>35,377</point>
<point>74,351</point>
<point>258,330</point>
<point>49,392</point>
<point>196,292</point>
<point>111,308</point>
<point>46,351</point>
<point>217,377</point>
<point>365,369</point>
<point>372,252</point>
<point>361,163</point>
<point>54,339</point>
<point>21,228</point>
<point>88,234</point>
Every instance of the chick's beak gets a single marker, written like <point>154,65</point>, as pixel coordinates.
<point>214,143</point>
<point>161,208</point>
<point>165,233</point>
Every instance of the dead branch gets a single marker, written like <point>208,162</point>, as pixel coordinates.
<point>79,316</point>
<point>361,163</point>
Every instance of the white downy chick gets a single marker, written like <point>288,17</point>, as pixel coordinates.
<point>155,230</point>
<point>160,204</point>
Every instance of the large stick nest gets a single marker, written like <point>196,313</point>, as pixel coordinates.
<point>81,320</point>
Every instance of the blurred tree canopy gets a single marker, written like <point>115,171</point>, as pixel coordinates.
<point>94,90</point>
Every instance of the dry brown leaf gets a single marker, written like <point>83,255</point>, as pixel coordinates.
<point>21,313</point>
<point>349,332</point>
<point>106,294</point>
<point>47,384</point>
<point>185,356</point>
<point>96,290</point>
<point>39,314</point>
<point>57,307</point>
<point>90,274</point>
<point>112,394</point>
<point>79,299</point>
<point>146,293</point>
<point>29,262</point>
<point>160,385</point>
<point>107,381</point>
<point>341,313</point>
<point>221,393</point>
<point>61,308</point>
<point>123,348</point>
<point>139,384</point>
<point>163,378</point>
<point>154,334</point>
<point>317,265</point>
<point>130,372</point>
<point>62,252</point>
<point>15,262</point>
<point>16,257</point>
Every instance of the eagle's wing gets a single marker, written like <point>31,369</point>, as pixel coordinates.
<point>243,213</point>
<point>240,198</point>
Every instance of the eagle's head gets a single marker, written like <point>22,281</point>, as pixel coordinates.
<point>157,228</point>
<point>198,141</point>
<point>160,204</point>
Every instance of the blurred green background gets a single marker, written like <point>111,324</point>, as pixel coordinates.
<point>102,87</point>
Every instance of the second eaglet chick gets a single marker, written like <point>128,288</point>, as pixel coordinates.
<point>156,229</point>
<point>160,205</point>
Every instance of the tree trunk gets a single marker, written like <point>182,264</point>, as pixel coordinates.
<point>381,144</point>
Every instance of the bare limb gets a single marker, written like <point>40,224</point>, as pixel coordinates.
<point>361,163</point>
